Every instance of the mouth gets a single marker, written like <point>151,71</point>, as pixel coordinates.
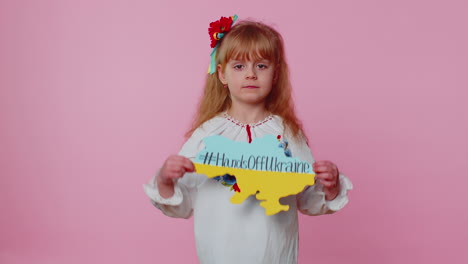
<point>251,87</point>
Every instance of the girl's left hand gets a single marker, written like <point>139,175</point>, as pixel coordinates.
<point>327,173</point>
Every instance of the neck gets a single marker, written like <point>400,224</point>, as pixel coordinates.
<point>248,114</point>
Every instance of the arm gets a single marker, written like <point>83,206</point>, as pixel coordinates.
<point>174,187</point>
<point>179,203</point>
<point>312,200</point>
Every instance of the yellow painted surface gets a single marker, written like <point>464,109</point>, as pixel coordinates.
<point>271,186</point>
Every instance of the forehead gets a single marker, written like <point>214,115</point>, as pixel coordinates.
<point>248,54</point>
<point>248,49</point>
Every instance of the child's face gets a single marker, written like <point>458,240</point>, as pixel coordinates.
<point>248,81</point>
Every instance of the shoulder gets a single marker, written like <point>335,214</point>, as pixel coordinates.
<point>279,122</point>
<point>271,125</point>
<point>209,127</point>
<point>194,143</point>
<point>295,145</point>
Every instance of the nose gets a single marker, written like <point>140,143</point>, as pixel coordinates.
<point>251,74</point>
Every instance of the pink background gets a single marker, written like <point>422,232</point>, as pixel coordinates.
<point>94,95</point>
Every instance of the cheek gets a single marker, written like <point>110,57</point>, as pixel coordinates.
<point>269,78</point>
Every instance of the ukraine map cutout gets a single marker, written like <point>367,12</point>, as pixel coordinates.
<point>261,168</point>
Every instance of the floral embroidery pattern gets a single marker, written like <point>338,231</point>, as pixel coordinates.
<point>228,181</point>
<point>284,145</point>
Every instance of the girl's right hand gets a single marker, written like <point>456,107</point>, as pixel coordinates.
<point>174,168</point>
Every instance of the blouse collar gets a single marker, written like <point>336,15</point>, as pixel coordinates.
<point>238,123</point>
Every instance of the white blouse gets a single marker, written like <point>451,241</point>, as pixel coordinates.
<point>242,233</point>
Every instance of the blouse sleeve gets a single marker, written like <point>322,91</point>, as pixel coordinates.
<point>311,201</point>
<point>180,205</point>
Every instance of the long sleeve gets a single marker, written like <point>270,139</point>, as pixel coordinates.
<point>262,238</point>
<point>180,205</point>
<point>311,201</point>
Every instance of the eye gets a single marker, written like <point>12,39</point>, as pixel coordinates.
<point>238,66</point>
<point>262,66</point>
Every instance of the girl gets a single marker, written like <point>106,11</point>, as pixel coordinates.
<point>248,97</point>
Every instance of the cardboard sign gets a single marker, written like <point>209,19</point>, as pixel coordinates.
<point>262,168</point>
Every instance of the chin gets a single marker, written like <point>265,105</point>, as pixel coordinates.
<point>257,100</point>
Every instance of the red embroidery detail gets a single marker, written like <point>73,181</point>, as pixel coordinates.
<point>236,187</point>
<point>247,127</point>
<point>278,137</point>
<point>237,123</point>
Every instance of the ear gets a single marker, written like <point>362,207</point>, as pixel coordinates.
<point>221,74</point>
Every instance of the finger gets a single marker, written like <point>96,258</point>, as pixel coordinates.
<point>331,171</point>
<point>324,176</point>
<point>328,184</point>
<point>326,163</point>
<point>319,169</point>
<point>171,161</point>
<point>176,166</point>
<point>182,166</point>
<point>322,163</point>
<point>175,158</point>
<point>188,165</point>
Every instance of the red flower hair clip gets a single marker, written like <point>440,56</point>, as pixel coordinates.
<point>217,30</point>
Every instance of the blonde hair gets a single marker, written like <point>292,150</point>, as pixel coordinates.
<point>249,40</point>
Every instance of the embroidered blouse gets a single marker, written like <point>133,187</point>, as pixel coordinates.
<point>242,233</point>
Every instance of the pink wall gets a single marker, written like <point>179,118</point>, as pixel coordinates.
<point>95,94</point>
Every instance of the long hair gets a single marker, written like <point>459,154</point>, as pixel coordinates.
<point>249,40</point>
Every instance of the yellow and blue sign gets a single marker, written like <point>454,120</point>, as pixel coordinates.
<point>260,168</point>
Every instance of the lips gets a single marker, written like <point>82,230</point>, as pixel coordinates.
<point>250,87</point>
